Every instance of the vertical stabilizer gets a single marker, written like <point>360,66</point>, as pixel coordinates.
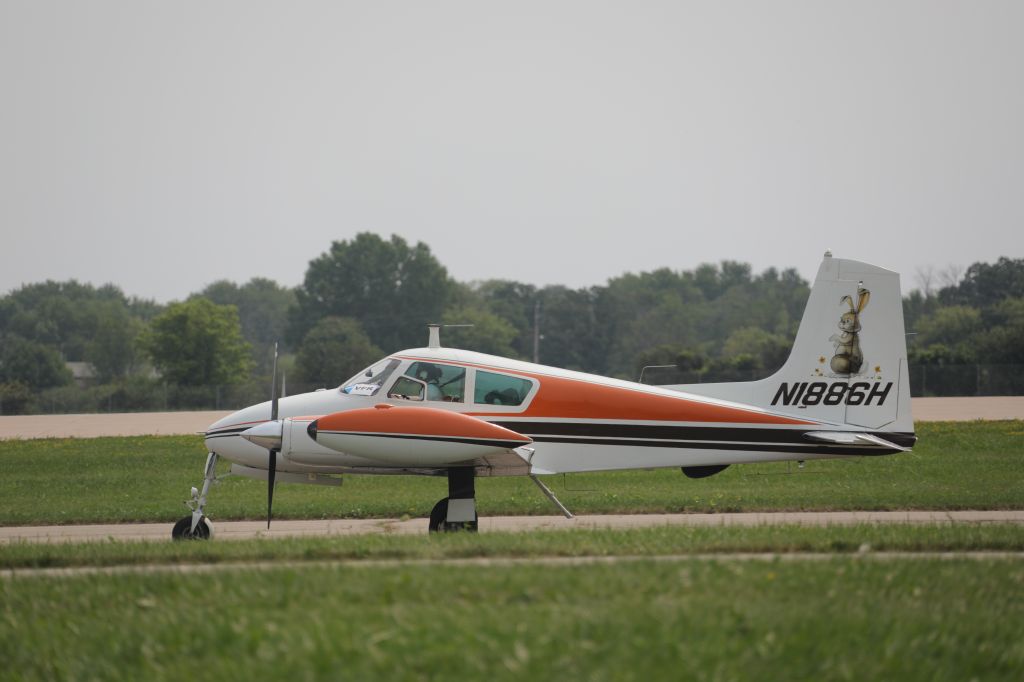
<point>849,360</point>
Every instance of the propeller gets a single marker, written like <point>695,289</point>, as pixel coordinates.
<point>269,435</point>
<point>272,470</point>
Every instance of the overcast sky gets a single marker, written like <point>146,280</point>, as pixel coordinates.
<point>165,145</point>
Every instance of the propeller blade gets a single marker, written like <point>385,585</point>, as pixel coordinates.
<point>273,388</point>
<point>272,469</point>
<point>271,474</point>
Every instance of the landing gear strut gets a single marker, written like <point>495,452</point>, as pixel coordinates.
<point>196,526</point>
<point>458,510</point>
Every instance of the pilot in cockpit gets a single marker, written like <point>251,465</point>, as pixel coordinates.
<point>431,376</point>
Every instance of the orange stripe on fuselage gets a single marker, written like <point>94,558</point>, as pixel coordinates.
<point>561,397</point>
<point>568,398</point>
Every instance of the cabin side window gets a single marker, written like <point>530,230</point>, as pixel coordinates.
<point>446,383</point>
<point>408,388</point>
<point>500,389</point>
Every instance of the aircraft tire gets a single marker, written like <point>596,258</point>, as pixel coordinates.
<point>439,524</point>
<point>183,529</point>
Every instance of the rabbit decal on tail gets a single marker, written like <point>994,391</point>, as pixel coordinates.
<point>849,358</point>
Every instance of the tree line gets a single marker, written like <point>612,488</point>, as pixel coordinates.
<point>369,296</point>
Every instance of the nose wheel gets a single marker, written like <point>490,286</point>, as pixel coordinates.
<point>196,526</point>
<point>183,529</point>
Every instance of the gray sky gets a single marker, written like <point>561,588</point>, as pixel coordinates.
<point>164,145</point>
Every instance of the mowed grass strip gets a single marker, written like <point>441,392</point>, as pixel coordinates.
<point>668,540</point>
<point>845,618</point>
<point>974,465</point>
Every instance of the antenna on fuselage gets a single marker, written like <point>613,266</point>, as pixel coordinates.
<point>434,336</point>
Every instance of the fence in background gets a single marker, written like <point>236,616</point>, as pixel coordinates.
<point>945,381</point>
<point>142,397</point>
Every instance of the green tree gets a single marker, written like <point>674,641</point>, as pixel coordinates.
<point>16,398</point>
<point>937,354</point>
<point>572,337</point>
<point>198,343</point>
<point>334,350</point>
<point>513,302</point>
<point>1002,339</point>
<point>690,361</point>
<point>917,305</point>
<point>63,315</point>
<point>263,307</point>
<point>79,322</point>
<point>489,333</point>
<point>112,348</point>
<point>394,290</point>
<point>769,351</point>
<point>671,322</point>
<point>31,364</point>
<point>660,362</point>
<point>985,284</point>
<point>951,326</point>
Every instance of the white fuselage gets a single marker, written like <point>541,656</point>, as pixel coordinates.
<point>578,422</point>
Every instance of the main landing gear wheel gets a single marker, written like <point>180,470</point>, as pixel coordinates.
<point>183,529</point>
<point>439,520</point>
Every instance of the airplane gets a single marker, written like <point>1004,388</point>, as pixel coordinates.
<point>844,391</point>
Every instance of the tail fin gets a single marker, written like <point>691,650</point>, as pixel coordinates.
<point>849,361</point>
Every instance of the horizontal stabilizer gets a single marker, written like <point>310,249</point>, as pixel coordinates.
<point>853,438</point>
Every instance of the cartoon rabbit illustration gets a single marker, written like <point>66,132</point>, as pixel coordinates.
<point>849,358</point>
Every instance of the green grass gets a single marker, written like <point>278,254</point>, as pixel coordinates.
<point>974,465</point>
<point>841,619</point>
<point>845,618</point>
<point>666,540</point>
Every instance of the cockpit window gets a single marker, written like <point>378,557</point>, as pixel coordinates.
<point>500,389</point>
<point>369,381</point>
<point>444,382</point>
<point>407,388</point>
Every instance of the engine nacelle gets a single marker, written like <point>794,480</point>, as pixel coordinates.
<point>413,436</point>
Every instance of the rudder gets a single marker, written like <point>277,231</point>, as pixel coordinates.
<point>848,364</point>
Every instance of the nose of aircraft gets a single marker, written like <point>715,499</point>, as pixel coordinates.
<point>218,434</point>
<point>266,435</point>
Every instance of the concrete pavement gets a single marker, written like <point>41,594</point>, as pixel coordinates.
<point>240,530</point>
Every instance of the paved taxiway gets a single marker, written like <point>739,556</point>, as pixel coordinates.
<point>240,530</point>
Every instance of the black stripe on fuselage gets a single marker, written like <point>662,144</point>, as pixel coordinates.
<point>226,433</point>
<point>708,434</point>
<point>793,448</point>
<point>509,444</point>
<point>651,435</point>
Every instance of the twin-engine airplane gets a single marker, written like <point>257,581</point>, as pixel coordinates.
<point>844,391</point>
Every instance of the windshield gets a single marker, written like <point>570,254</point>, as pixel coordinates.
<point>369,381</point>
